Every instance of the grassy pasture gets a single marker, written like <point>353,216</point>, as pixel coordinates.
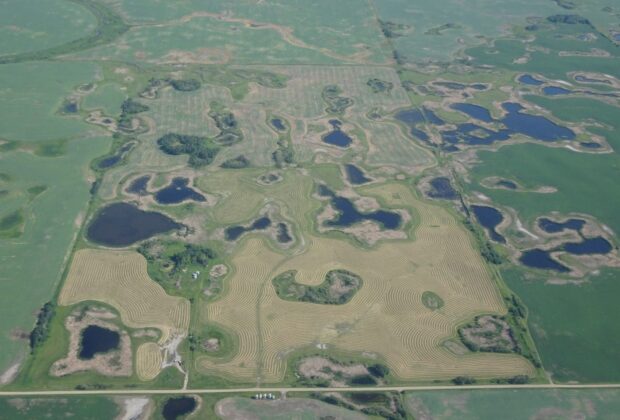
<point>429,39</point>
<point>26,27</point>
<point>386,316</point>
<point>33,92</point>
<point>282,32</point>
<point>515,404</point>
<point>87,408</point>
<point>292,408</point>
<point>51,220</point>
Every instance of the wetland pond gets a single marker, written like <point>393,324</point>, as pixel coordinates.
<point>441,187</point>
<point>514,122</point>
<point>337,137</point>
<point>551,226</point>
<point>123,224</point>
<point>177,407</point>
<point>555,90</point>
<point>528,79</point>
<point>539,258</point>
<point>96,339</point>
<point>234,232</point>
<point>355,175</point>
<point>278,124</point>
<point>177,192</point>
<point>139,185</point>
<point>489,218</point>
<point>348,214</point>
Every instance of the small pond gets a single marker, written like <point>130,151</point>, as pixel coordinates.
<point>177,407</point>
<point>96,339</point>
<point>355,175</point>
<point>538,258</point>
<point>278,124</point>
<point>489,218</point>
<point>234,232</point>
<point>177,192</point>
<point>139,185</point>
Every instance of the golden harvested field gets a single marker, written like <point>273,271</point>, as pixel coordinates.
<point>385,317</point>
<point>148,361</point>
<point>120,279</point>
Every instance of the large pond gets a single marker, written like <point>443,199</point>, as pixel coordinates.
<point>177,407</point>
<point>96,339</point>
<point>123,224</point>
<point>514,122</point>
<point>177,192</point>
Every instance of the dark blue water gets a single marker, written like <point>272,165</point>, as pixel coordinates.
<point>109,162</point>
<point>551,226</point>
<point>535,126</point>
<point>555,90</point>
<point>278,124</point>
<point>177,192</point>
<point>139,185</point>
<point>336,124</point>
<point>355,175</point>
<point>177,407</point>
<point>348,215</point>
<point>475,111</point>
<point>527,79</point>
<point>584,79</point>
<point>479,86</point>
<point>413,117</point>
<point>232,233</point>
<point>283,236</point>
<point>96,339</point>
<point>431,117</point>
<point>113,160</point>
<point>506,184</point>
<point>596,245</point>
<point>123,224</point>
<point>474,135</point>
<point>338,138</point>
<point>590,145</point>
<point>538,258</point>
<point>489,218</point>
<point>616,37</point>
<point>442,188</point>
<point>451,85</point>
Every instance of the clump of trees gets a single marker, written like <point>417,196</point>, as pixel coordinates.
<point>379,86</point>
<point>187,85</point>
<point>463,380</point>
<point>348,284</point>
<point>238,162</point>
<point>201,150</point>
<point>337,104</point>
<point>41,329</point>
<point>131,106</point>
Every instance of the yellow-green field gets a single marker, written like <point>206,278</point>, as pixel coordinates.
<point>385,318</point>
